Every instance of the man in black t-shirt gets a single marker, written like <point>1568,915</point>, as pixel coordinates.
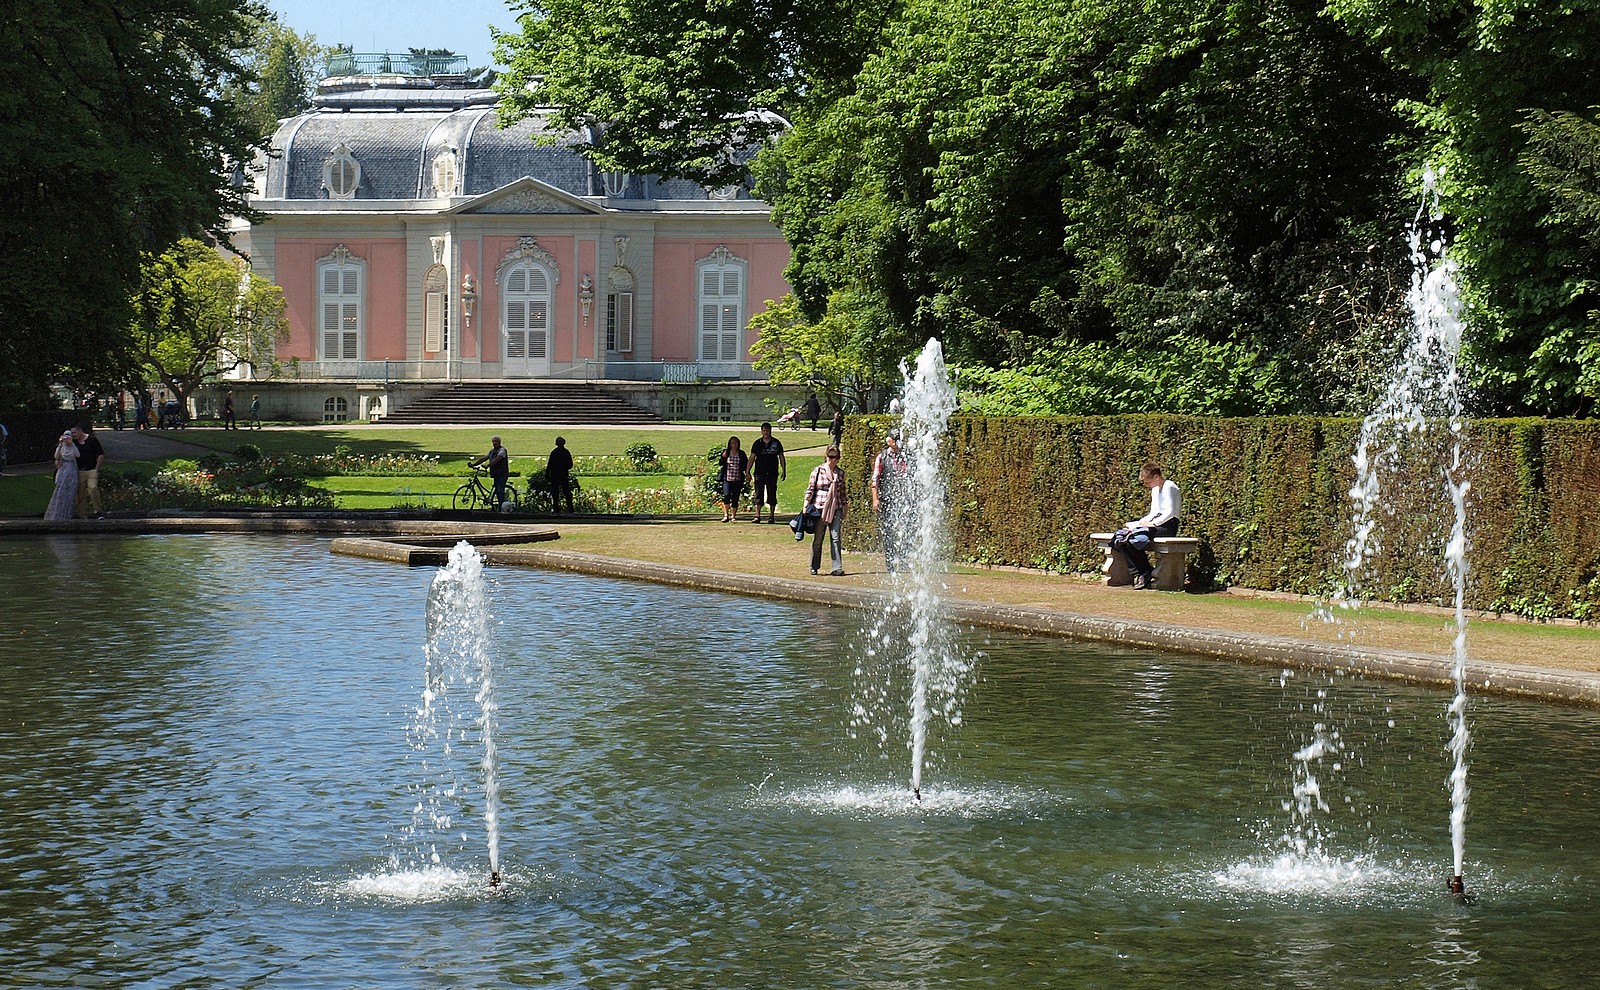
<point>770,465</point>
<point>90,456</point>
<point>558,471</point>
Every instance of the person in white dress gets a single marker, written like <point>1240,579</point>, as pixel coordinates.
<point>65,496</point>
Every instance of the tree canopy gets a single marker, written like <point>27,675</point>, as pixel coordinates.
<point>117,137</point>
<point>1169,186</point>
<point>200,315</point>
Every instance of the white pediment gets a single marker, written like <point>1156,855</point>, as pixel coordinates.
<point>526,196</point>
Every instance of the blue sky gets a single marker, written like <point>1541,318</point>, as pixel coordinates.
<point>397,25</point>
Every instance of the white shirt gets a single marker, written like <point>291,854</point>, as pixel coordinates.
<point>1165,504</point>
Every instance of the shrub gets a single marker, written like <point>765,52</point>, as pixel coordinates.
<point>643,456</point>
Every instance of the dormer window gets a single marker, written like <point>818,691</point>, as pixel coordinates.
<point>616,184</point>
<point>726,194</point>
<point>341,174</point>
<point>445,171</point>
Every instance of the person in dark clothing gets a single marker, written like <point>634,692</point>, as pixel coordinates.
<point>812,410</point>
<point>91,458</point>
<point>770,465</point>
<point>836,429</point>
<point>732,469</point>
<point>559,473</point>
<point>228,420</point>
<point>891,476</point>
<point>499,462</point>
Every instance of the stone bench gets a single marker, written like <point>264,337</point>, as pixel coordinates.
<point>1168,553</point>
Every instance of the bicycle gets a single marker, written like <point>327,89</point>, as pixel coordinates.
<point>476,495</point>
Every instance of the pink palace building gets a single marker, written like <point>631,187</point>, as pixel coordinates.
<point>420,246</point>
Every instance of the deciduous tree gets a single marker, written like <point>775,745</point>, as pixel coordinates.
<point>115,138</point>
<point>200,316</point>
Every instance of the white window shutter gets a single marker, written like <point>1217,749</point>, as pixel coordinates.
<point>624,321</point>
<point>538,328</point>
<point>433,323</point>
<point>330,329</point>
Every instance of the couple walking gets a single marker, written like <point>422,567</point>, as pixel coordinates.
<point>766,463</point>
<point>78,458</point>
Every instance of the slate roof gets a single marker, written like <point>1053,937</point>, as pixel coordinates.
<point>395,133</point>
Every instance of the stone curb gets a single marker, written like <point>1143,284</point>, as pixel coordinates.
<point>1484,677</point>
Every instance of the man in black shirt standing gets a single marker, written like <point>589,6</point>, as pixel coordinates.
<point>770,464</point>
<point>559,473</point>
<point>90,456</point>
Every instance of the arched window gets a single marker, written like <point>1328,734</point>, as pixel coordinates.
<point>527,312</point>
<point>619,311</point>
<point>721,284</point>
<point>339,284</point>
<point>335,409</point>
<point>341,173</point>
<point>436,310</point>
<point>720,409</point>
<point>677,406</point>
<point>445,173</point>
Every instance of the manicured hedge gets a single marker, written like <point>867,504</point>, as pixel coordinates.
<point>1269,499</point>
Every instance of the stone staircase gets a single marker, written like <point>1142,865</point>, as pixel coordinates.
<point>521,403</point>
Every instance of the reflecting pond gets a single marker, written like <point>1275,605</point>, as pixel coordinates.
<point>205,765</point>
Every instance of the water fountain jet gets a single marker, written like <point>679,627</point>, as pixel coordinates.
<point>937,673</point>
<point>1424,389</point>
<point>457,700</point>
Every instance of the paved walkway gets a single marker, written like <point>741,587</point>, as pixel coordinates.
<point>128,445</point>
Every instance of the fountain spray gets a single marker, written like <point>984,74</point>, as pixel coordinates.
<point>927,403</point>
<point>458,660</point>
<point>1423,390</point>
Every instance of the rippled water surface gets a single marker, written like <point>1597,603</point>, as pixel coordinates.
<point>204,762</point>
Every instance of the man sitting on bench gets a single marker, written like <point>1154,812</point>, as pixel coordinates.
<point>1134,539</point>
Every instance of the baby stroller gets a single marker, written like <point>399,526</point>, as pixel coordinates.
<point>792,417</point>
<point>172,416</point>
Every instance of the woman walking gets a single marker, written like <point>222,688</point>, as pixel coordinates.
<point>65,495</point>
<point>731,473</point>
<point>826,494</point>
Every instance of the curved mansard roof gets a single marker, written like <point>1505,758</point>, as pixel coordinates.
<point>397,133</point>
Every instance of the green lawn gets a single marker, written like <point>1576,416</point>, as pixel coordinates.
<point>28,495</point>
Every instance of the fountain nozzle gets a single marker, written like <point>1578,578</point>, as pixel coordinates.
<point>494,878</point>
<point>917,793</point>
<point>1457,886</point>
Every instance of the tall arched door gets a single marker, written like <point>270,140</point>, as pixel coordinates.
<point>525,320</point>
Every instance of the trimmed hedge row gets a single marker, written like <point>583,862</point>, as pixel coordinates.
<point>1268,498</point>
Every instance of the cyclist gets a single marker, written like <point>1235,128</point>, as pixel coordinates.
<point>499,469</point>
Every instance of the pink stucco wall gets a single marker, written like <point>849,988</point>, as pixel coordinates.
<point>475,341</point>
<point>676,292</point>
<point>296,274</point>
